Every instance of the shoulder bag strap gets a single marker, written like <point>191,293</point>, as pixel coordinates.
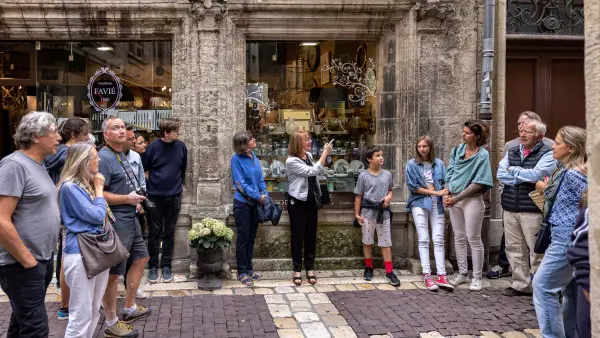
<point>555,195</point>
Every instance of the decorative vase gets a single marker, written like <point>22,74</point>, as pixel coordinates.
<point>291,126</point>
<point>210,262</point>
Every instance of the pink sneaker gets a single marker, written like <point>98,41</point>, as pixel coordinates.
<point>429,283</point>
<point>442,282</point>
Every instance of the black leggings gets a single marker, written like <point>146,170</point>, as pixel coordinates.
<point>303,224</point>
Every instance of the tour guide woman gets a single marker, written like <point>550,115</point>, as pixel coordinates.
<point>303,200</point>
<point>468,177</point>
<point>250,189</point>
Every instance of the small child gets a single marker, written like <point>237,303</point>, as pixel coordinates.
<point>371,208</point>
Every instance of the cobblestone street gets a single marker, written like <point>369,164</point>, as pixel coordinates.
<point>340,305</point>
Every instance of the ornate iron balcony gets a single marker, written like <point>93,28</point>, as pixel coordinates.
<point>552,17</point>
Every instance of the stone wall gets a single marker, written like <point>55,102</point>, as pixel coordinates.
<point>592,102</point>
<point>428,80</point>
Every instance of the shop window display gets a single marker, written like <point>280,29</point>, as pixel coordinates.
<point>326,88</point>
<point>62,78</point>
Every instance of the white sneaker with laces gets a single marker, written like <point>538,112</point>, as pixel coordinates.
<point>476,285</point>
<point>141,294</point>
<point>459,279</point>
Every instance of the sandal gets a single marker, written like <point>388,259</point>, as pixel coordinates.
<point>254,275</point>
<point>297,280</point>
<point>246,280</point>
<point>311,279</point>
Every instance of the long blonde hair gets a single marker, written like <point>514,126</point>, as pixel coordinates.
<point>77,164</point>
<point>575,138</point>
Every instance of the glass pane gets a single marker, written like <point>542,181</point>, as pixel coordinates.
<point>15,60</point>
<point>326,88</point>
<point>142,68</point>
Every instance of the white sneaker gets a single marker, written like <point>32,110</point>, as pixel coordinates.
<point>476,285</point>
<point>459,279</point>
<point>141,294</point>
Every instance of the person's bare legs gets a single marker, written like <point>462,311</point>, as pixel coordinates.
<point>368,251</point>
<point>65,290</point>
<point>110,298</point>
<point>386,253</point>
<point>134,277</point>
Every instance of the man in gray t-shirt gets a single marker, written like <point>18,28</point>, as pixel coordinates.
<point>36,217</point>
<point>29,220</point>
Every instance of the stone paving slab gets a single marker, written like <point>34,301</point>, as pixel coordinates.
<point>184,317</point>
<point>407,313</point>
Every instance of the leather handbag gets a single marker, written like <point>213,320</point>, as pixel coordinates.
<point>543,236</point>
<point>101,252</point>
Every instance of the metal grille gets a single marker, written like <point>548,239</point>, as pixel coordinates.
<point>559,17</point>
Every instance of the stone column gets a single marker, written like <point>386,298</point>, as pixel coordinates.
<point>592,88</point>
<point>202,78</point>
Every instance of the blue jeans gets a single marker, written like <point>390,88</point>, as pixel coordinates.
<point>246,222</point>
<point>555,276</point>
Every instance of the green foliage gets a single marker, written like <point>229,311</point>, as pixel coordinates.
<point>209,234</point>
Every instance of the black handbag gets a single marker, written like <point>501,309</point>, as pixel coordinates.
<point>325,198</point>
<point>543,236</point>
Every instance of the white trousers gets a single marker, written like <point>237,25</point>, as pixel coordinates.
<point>467,219</point>
<point>86,297</point>
<point>424,218</point>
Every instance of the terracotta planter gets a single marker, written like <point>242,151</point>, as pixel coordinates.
<point>209,262</point>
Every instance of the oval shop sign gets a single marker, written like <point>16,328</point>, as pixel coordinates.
<point>104,90</point>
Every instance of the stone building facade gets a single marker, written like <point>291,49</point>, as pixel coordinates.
<point>428,80</point>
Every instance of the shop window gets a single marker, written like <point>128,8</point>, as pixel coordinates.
<point>142,68</point>
<point>326,88</point>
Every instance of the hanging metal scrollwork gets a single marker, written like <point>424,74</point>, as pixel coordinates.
<point>360,81</point>
<point>255,96</point>
<point>545,17</point>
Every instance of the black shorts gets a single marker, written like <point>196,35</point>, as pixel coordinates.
<point>131,236</point>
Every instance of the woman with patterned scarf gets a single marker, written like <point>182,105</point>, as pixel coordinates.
<point>83,210</point>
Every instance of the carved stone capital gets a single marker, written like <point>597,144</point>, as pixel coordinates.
<point>200,8</point>
<point>434,9</point>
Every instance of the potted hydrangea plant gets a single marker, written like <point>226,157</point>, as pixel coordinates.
<point>210,237</point>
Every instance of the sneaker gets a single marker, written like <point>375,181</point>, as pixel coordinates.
<point>141,294</point>
<point>442,282</point>
<point>153,275</point>
<point>368,275</point>
<point>476,284</point>
<point>167,276</point>
<point>140,312</point>
<point>459,279</point>
<point>429,283</point>
<point>121,329</point>
<point>497,272</point>
<point>511,292</point>
<point>392,278</point>
<point>63,313</point>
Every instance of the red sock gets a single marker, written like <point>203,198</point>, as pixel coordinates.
<point>369,263</point>
<point>388,267</point>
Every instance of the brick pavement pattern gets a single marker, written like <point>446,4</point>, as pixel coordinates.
<point>406,313</point>
<point>204,316</point>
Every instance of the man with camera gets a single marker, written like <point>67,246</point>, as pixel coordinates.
<point>123,194</point>
<point>166,162</point>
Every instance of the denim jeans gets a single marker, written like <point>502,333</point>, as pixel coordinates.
<point>26,290</point>
<point>246,223</point>
<point>555,276</point>
<point>424,219</point>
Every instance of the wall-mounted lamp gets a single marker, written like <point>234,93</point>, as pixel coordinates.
<point>105,48</point>
<point>309,44</point>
